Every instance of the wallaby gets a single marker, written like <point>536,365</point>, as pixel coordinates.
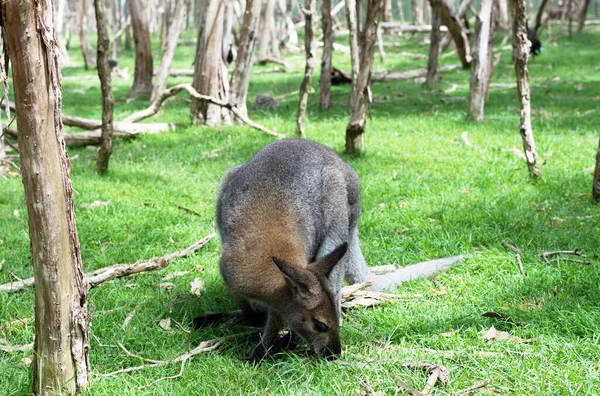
<point>288,221</point>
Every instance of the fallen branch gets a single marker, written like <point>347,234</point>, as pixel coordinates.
<point>480,385</point>
<point>407,388</point>
<point>98,276</point>
<point>548,255</point>
<point>272,59</point>
<point>517,253</point>
<point>157,104</point>
<point>410,74</point>
<point>16,348</point>
<point>404,28</point>
<point>204,346</point>
<point>182,73</point>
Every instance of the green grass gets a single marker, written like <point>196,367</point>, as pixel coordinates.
<point>425,195</point>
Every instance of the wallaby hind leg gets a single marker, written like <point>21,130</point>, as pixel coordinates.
<point>357,270</point>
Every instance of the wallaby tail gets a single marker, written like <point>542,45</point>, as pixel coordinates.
<point>415,271</point>
<point>256,318</point>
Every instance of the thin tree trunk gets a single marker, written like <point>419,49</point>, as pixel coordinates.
<point>401,17</point>
<point>521,55</point>
<point>458,16</point>
<point>494,22</point>
<point>417,12</point>
<point>108,102</point>
<point>458,33</point>
<point>210,73</point>
<point>582,14</point>
<point>310,47</point>
<point>240,77</point>
<point>175,29</point>
<point>61,9</point>
<point>480,61</point>
<point>596,183</point>
<point>387,11</point>
<point>265,34</point>
<point>142,77</point>
<point>326,59</point>
<point>538,17</point>
<point>361,93</point>
<point>128,29</point>
<point>354,50</point>
<point>86,49</point>
<point>431,80</point>
<point>61,348</point>
<point>503,11</point>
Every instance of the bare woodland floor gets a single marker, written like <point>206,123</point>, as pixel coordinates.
<point>426,194</point>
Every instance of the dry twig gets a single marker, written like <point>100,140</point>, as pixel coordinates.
<point>517,253</point>
<point>480,385</point>
<point>548,255</point>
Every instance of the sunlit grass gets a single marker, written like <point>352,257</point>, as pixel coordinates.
<point>426,194</point>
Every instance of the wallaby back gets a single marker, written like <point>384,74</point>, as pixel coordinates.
<point>286,219</point>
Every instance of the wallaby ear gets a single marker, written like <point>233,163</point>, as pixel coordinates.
<point>326,264</point>
<point>298,280</point>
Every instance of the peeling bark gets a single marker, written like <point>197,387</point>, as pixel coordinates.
<point>480,61</point>
<point>240,77</point>
<point>361,92</point>
<point>581,17</point>
<point>209,70</point>
<point>175,29</point>
<point>142,76</point>
<point>310,47</point>
<point>432,78</point>
<point>108,101</point>
<point>458,33</point>
<point>521,46</point>
<point>61,349</point>
<point>326,62</point>
<point>86,49</point>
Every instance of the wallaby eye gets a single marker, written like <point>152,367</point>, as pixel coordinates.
<point>320,326</point>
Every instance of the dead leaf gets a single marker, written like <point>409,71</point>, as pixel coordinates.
<point>167,286</point>
<point>26,362</point>
<point>16,212</point>
<point>492,334</point>
<point>174,275</point>
<point>95,204</point>
<point>165,324</point>
<point>197,287</point>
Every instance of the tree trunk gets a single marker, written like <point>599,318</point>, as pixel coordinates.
<point>494,22</point>
<point>60,18</point>
<point>480,61</point>
<point>458,33</point>
<point>431,80</point>
<point>108,102</point>
<point>538,18</point>
<point>581,17</point>
<point>310,47</point>
<point>240,77</point>
<point>142,77</point>
<point>354,49</point>
<point>209,70</point>
<point>128,29</point>
<point>326,59</point>
<point>387,11</point>
<point>86,49</point>
<point>417,12</point>
<point>503,11</point>
<point>401,17</point>
<point>175,29</point>
<point>265,34</point>
<point>521,48</point>
<point>458,16</point>
<point>61,360</point>
<point>596,184</point>
<point>360,96</point>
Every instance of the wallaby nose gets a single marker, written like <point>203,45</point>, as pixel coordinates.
<point>332,351</point>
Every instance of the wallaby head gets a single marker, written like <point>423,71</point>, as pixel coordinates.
<point>313,313</point>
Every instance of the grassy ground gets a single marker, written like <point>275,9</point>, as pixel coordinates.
<point>425,195</point>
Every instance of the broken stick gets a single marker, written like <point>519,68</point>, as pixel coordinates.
<point>517,253</point>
